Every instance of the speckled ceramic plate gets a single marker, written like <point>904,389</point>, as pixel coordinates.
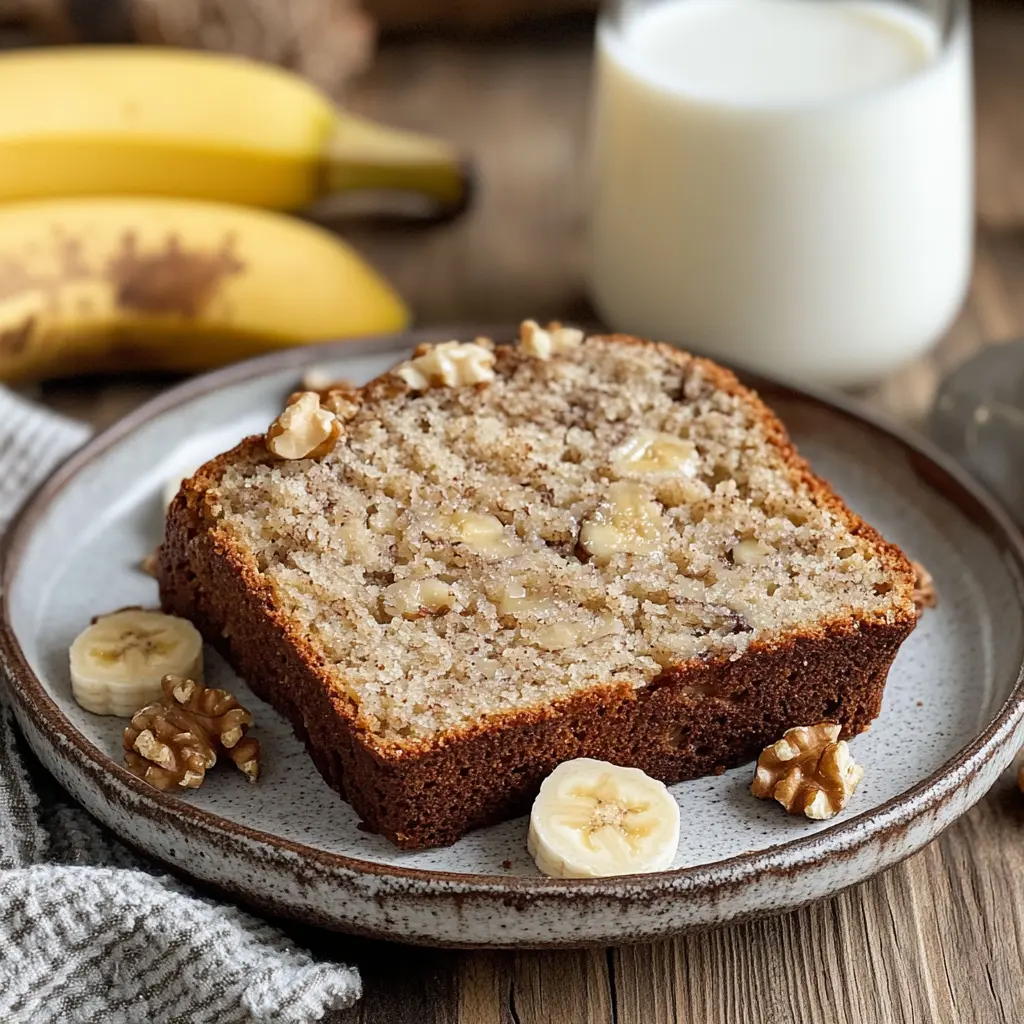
<point>952,720</point>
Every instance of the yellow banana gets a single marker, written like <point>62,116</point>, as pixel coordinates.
<point>99,284</point>
<point>153,121</point>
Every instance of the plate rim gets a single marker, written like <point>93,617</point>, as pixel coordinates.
<point>30,694</point>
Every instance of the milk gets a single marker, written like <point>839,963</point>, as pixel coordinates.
<point>783,183</point>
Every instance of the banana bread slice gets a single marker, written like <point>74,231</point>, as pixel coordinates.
<point>518,555</point>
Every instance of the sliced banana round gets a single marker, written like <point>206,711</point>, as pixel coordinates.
<point>592,819</point>
<point>117,663</point>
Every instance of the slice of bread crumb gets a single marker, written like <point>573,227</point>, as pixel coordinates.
<point>615,514</point>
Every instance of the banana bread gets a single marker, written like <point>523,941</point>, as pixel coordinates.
<point>517,555</point>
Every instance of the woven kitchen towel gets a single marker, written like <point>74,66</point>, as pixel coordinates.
<point>90,932</point>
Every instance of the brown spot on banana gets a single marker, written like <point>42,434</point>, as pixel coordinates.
<point>15,339</point>
<point>172,280</point>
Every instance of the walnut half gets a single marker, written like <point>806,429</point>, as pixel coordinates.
<point>450,364</point>
<point>175,741</point>
<point>304,430</point>
<point>166,747</point>
<point>809,771</point>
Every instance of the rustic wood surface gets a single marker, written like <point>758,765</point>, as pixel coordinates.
<point>938,938</point>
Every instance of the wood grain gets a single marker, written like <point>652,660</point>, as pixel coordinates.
<point>939,938</point>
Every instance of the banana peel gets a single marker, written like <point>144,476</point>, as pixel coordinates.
<point>155,121</point>
<point>106,285</point>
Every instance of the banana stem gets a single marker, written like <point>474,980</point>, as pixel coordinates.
<point>364,155</point>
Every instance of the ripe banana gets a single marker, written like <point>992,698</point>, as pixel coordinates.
<point>118,662</point>
<point>592,819</point>
<point>89,285</point>
<point>155,121</point>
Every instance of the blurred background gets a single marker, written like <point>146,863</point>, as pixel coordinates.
<point>508,82</point>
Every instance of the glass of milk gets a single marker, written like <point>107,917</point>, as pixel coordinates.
<point>787,184</point>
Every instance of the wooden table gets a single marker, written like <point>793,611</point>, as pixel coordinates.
<point>938,938</point>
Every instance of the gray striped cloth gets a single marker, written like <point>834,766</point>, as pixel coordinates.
<point>90,932</point>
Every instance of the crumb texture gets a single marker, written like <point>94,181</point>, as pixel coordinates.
<point>596,517</point>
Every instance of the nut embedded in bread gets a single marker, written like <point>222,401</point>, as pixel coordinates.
<point>612,552</point>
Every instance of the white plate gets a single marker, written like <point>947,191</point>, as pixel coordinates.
<point>951,722</point>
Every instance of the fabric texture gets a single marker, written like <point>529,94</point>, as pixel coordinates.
<point>91,931</point>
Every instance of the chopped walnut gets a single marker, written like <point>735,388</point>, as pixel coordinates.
<point>343,402</point>
<point>151,563</point>
<point>512,598</point>
<point>542,344</point>
<point>482,534</point>
<point>340,397</point>
<point>749,552</point>
<point>925,594</point>
<point>628,521</point>
<point>450,364</point>
<point>809,771</point>
<point>304,430</point>
<point>173,742</point>
<point>362,544</point>
<point>317,379</point>
<point>557,636</point>
<point>414,599</point>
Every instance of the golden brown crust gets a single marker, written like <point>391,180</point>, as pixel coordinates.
<point>694,719</point>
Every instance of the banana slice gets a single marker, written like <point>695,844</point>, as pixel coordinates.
<point>592,819</point>
<point>117,663</point>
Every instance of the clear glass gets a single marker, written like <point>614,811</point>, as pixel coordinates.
<point>792,194</point>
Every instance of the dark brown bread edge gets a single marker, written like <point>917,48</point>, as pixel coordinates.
<point>700,718</point>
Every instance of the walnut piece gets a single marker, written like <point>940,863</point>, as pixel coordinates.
<point>543,343</point>
<point>343,402</point>
<point>167,747</point>
<point>151,563</point>
<point>450,364</point>
<point>749,552</point>
<point>651,453</point>
<point>809,771</point>
<point>628,521</point>
<point>304,430</point>
<point>482,533</point>
<point>338,396</point>
<point>512,598</point>
<point>175,741</point>
<point>362,544</point>
<point>925,594</point>
<point>558,636</point>
<point>317,379</point>
<point>414,599</point>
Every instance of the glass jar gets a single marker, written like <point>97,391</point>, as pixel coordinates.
<point>787,184</point>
